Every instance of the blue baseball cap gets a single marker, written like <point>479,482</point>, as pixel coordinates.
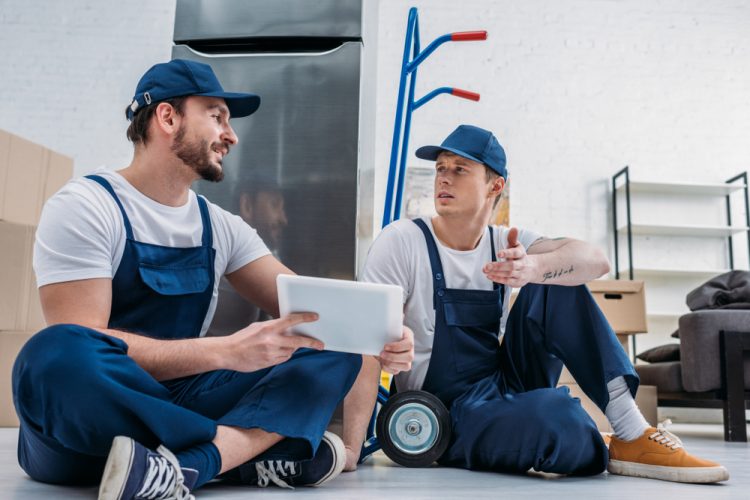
<point>470,142</point>
<point>180,77</point>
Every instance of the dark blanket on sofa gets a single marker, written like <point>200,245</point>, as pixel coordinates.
<point>727,291</point>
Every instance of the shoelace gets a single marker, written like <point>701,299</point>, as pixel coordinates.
<point>664,437</point>
<point>270,471</point>
<point>164,479</point>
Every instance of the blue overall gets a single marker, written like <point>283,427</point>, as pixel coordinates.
<point>507,415</point>
<point>76,388</point>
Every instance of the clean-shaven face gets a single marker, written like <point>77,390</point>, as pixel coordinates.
<point>461,186</point>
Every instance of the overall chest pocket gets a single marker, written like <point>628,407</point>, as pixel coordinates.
<point>473,330</point>
<point>166,280</point>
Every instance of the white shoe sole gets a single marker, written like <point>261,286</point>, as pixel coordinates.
<point>117,468</point>
<point>339,452</point>
<point>676,474</point>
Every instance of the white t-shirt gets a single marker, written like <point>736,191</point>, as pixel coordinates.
<point>399,256</point>
<point>81,234</point>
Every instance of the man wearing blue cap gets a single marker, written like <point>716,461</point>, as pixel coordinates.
<point>507,413</point>
<point>128,264</point>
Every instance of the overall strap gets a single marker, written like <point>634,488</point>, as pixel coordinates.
<point>494,257</point>
<point>106,185</point>
<point>438,279</point>
<point>207,240</point>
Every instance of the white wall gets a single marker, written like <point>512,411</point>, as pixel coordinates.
<point>574,89</point>
<point>69,68</point>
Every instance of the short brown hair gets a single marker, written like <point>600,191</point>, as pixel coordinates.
<point>490,174</point>
<point>138,128</point>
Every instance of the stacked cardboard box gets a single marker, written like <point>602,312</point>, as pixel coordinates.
<point>623,302</point>
<point>29,175</point>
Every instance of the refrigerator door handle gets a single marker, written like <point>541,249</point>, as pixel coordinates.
<point>280,45</point>
<point>210,55</point>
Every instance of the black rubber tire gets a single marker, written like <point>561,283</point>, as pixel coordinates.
<point>430,403</point>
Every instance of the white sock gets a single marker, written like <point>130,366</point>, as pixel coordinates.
<point>622,412</point>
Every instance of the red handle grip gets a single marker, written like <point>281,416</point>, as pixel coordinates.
<point>465,94</point>
<point>466,36</point>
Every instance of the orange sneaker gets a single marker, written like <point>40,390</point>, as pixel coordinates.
<point>658,454</point>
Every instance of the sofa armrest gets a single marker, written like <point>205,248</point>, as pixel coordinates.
<point>699,346</point>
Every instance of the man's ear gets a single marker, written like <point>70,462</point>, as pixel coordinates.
<point>498,184</point>
<point>167,119</point>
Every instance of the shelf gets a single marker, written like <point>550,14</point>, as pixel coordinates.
<point>665,214</point>
<point>681,188</point>
<point>642,272</point>
<point>666,314</point>
<point>683,230</point>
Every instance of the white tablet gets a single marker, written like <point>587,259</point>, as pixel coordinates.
<point>353,317</point>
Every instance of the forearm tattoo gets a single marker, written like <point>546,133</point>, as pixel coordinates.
<point>560,272</point>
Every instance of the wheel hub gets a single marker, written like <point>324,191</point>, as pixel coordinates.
<point>413,428</point>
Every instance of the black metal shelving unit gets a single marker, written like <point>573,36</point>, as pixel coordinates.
<point>625,172</point>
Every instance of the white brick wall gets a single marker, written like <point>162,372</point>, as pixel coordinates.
<point>69,69</point>
<point>575,89</point>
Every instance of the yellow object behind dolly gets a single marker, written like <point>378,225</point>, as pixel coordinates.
<point>385,379</point>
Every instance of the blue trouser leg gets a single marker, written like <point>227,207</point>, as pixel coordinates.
<point>75,389</point>
<point>543,428</point>
<point>554,325</point>
<point>523,421</point>
<point>295,399</point>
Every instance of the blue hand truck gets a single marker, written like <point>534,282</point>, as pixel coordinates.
<point>413,427</point>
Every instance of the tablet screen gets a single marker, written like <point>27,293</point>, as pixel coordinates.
<point>353,317</point>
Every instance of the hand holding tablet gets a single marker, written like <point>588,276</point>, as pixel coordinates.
<point>353,317</point>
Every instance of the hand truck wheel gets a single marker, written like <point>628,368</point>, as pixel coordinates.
<point>414,428</point>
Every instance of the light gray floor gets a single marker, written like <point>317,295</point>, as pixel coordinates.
<point>380,479</point>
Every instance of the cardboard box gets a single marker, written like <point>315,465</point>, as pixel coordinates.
<point>645,399</point>
<point>623,302</point>
<point>10,344</point>
<point>29,175</point>
<point>20,308</point>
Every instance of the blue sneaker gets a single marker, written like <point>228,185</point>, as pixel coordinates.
<point>327,463</point>
<point>133,472</point>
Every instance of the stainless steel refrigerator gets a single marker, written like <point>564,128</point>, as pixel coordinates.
<point>302,173</point>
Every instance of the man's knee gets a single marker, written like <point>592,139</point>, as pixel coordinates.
<point>331,369</point>
<point>564,424</point>
<point>352,363</point>
<point>345,365</point>
<point>58,356</point>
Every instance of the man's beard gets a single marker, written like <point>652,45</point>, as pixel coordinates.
<point>196,155</point>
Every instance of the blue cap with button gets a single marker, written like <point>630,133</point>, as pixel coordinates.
<point>180,77</point>
<point>473,143</point>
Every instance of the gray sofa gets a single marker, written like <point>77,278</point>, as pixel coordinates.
<point>713,370</point>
